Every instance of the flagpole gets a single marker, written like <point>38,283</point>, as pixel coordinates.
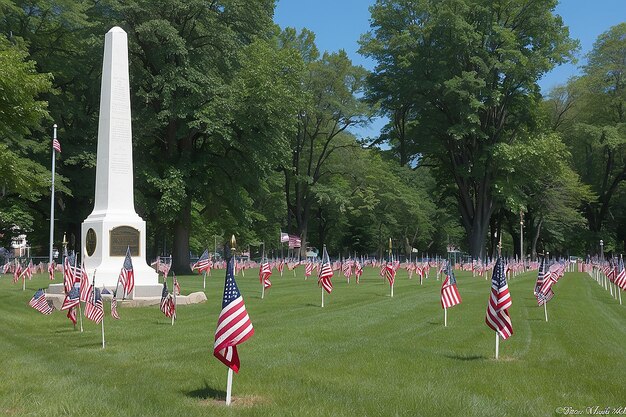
<point>497,344</point>
<point>391,260</point>
<point>262,279</point>
<point>204,279</point>
<point>229,381</point>
<point>322,295</point>
<point>229,386</point>
<point>445,317</point>
<point>80,315</point>
<point>174,291</point>
<point>545,309</point>
<point>54,136</point>
<point>102,324</point>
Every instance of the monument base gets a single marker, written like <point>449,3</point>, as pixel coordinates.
<point>106,237</point>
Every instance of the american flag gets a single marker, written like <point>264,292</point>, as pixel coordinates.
<point>51,267</point>
<point>203,263</point>
<point>620,279</point>
<point>167,302</point>
<point>358,271</point>
<point>499,302</point>
<point>545,292</point>
<point>72,299</point>
<point>280,266</point>
<point>176,285</point>
<point>114,313</point>
<point>17,273</point>
<point>71,314</point>
<point>233,325</point>
<point>449,292</point>
<point>85,288</point>
<point>542,274</point>
<point>308,269</point>
<point>390,273</point>
<point>56,145</point>
<point>68,272</point>
<point>294,242</point>
<point>326,273</point>
<point>39,302</point>
<point>264,275</point>
<point>28,271</point>
<point>127,275</point>
<point>94,309</point>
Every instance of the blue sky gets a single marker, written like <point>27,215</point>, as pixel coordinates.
<point>338,25</point>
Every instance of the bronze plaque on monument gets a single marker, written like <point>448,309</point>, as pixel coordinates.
<point>121,238</point>
<point>91,241</point>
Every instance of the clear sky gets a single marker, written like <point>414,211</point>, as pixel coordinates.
<point>338,24</point>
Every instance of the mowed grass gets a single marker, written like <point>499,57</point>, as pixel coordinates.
<point>364,354</point>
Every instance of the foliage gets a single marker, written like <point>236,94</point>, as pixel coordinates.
<point>463,73</point>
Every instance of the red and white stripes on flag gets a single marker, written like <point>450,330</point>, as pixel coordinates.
<point>449,292</point>
<point>264,275</point>
<point>326,273</point>
<point>308,269</point>
<point>56,145</point>
<point>390,273</point>
<point>497,316</point>
<point>620,279</point>
<point>114,313</point>
<point>167,302</point>
<point>39,302</point>
<point>94,309</point>
<point>233,325</point>
<point>127,275</point>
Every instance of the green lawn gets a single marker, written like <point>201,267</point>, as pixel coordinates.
<point>364,354</point>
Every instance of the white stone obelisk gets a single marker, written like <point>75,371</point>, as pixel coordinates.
<point>114,225</point>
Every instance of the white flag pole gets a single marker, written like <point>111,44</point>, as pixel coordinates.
<point>445,317</point>
<point>54,136</point>
<point>229,386</point>
<point>545,309</point>
<point>80,315</point>
<point>263,279</point>
<point>322,296</point>
<point>174,280</point>
<point>497,344</point>
<point>391,290</point>
<point>102,328</point>
<point>204,279</point>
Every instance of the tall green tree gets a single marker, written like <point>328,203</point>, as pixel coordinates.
<point>469,69</point>
<point>331,86</point>
<point>211,87</point>
<point>22,179</point>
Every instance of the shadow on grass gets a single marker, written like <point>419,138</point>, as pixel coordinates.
<point>206,393</point>
<point>465,357</point>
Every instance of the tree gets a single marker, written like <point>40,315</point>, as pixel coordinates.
<point>332,85</point>
<point>209,88</point>
<point>22,179</point>
<point>470,68</point>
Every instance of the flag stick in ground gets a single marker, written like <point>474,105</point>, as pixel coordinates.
<point>80,315</point>
<point>229,386</point>
<point>497,344</point>
<point>174,291</point>
<point>24,281</point>
<point>204,280</point>
<point>54,143</point>
<point>391,260</point>
<point>445,317</point>
<point>322,296</point>
<point>545,309</point>
<point>102,322</point>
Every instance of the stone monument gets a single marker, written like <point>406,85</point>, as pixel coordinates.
<point>113,226</point>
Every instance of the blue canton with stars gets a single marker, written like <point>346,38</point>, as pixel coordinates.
<point>498,279</point>
<point>231,292</point>
<point>128,262</point>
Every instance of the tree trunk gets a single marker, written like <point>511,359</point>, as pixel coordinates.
<point>180,253</point>
<point>535,238</point>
